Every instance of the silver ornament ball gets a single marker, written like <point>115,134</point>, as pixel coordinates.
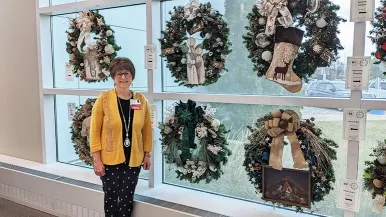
<point>321,23</point>
<point>262,40</point>
<point>267,56</point>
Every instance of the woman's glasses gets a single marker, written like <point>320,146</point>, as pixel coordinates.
<point>120,74</point>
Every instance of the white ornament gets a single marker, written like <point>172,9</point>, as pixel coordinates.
<point>109,33</point>
<point>267,56</point>
<point>109,49</point>
<point>321,23</point>
<point>212,12</point>
<point>183,60</point>
<point>100,61</point>
<point>218,39</point>
<point>208,35</point>
<point>215,124</point>
<point>81,64</point>
<point>262,40</point>
<point>106,59</point>
<point>262,21</point>
<point>381,159</point>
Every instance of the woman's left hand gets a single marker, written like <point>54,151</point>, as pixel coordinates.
<point>146,162</point>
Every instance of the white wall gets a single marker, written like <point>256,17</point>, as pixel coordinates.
<point>19,86</point>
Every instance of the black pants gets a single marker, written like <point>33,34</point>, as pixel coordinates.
<point>119,184</point>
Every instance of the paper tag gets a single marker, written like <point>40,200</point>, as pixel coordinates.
<point>379,202</point>
<point>349,195</point>
<point>358,71</point>
<point>354,124</point>
<point>71,107</point>
<point>69,74</point>
<point>153,115</point>
<point>150,57</point>
<point>362,10</point>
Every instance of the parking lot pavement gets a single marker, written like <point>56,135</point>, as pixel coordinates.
<point>326,114</point>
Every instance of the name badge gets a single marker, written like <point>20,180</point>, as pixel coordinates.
<point>135,104</point>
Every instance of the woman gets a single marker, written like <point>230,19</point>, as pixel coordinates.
<point>120,139</point>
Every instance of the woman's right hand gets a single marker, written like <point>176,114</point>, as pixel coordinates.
<point>99,168</point>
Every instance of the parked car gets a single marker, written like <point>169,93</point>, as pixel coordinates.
<point>332,89</point>
<point>378,89</point>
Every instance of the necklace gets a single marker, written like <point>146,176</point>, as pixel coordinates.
<point>127,125</point>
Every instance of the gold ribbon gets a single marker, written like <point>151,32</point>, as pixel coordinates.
<point>283,124</point>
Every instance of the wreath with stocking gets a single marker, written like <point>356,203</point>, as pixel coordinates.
<point>194,142</point>
<point>190,64</point>
<point>309,150</point>
<point>274,37</point>
<point>80,131</point>
<point>378,33</point>
<point>90,60</point>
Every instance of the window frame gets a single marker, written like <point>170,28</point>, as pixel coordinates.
<point>155,95</point>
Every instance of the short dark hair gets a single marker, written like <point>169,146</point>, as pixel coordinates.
<point>121,63</point>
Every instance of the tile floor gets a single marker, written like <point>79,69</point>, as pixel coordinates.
<point>11,209</point>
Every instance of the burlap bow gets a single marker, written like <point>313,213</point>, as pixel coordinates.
<point>279,125</point>
<point>271,9</point>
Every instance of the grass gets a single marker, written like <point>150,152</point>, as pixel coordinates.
<point>234,181</point>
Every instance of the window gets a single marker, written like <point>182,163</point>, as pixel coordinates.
<point>129,24</point>
<point>241,79</point>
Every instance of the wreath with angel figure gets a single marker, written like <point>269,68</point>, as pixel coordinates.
<point>190,64</point>
<point>275,35</point>
<point>80,131</point>
<point>309,151</point>
<point>90,60</point>
<point>194,142</point>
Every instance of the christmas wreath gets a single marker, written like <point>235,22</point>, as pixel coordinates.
<point>375,176</point>
<point>80,131</point>
<point>309,150</point>
<point>90,60</point>
<point>194,143</point>
<point>274,37</point>
<point>190,64</point>
<point>377,34</point>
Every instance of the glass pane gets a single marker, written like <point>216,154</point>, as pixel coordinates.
<point>129,24</point>
<point>241,79</point>
<point>59,2</point>
<point>65,148</point>
<point>234,181</point>
<point>377,79</point>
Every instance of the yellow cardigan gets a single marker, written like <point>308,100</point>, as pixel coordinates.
<point>106,130</point>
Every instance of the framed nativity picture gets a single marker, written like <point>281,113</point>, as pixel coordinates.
<point>287,186</point>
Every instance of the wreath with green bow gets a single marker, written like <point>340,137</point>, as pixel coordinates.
<point>320,21</point>
<point>194,142</point>
<point>318,152</point>
<point>195,65</point>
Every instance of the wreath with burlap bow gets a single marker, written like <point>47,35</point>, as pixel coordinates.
<point>80,131</point>
<point>90,61</point>
<point>194,142</point>
<point>309,150</point>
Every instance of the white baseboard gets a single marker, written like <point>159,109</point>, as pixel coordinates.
<point>65,200</point>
